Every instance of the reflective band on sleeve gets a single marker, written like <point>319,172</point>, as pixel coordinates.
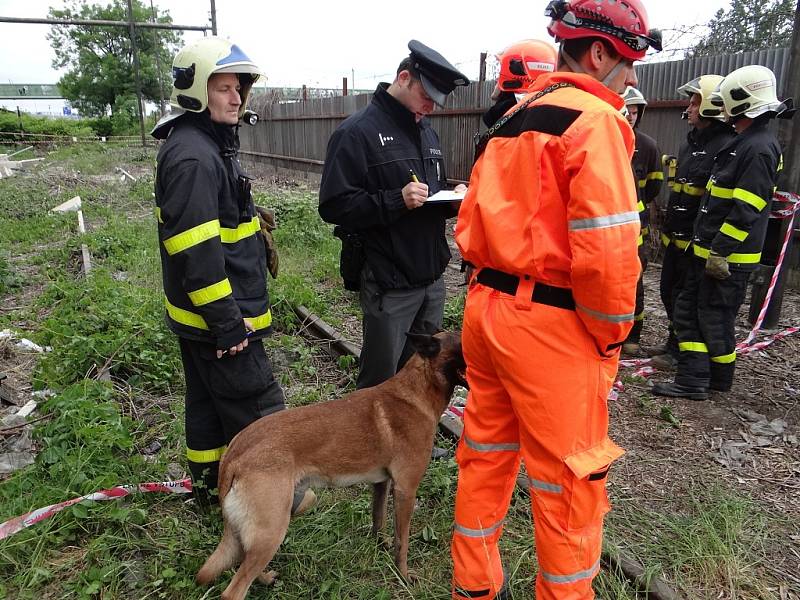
<point>688,189</point>
<point>640,241</point>
<point>655,175</point>
<point>205,456</point>
<point>478,533</point>
<point>750,198</point>
<point>190,319</point>
<point>245,230</point>
<point>491,447</point>
<point>192,237</point>
<point>211,293</point>
<point>734,232</point>
<point>693,347</point>
<point>726,359</point>
<point>158,215</point>
<point>604,222</point>
<point>640,206</point>
<point>605,317</point>
<point>642,183</point>
<point>639,317</point>
<point>742,259</point>
<point>545,486</point>
<point>682,244</point>
<point>573,577</point>
<point>665,239</point>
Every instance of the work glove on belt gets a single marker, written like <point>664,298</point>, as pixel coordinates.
<point>266,219</point>
<point>717,266</point>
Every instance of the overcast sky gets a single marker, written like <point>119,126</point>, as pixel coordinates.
<point>317,43</point>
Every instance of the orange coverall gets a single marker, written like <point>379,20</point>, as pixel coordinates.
<point>552,207</point>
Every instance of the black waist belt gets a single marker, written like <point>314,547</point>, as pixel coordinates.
<point>542,293</point>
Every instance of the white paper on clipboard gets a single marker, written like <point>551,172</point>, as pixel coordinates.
<point>446,196</point>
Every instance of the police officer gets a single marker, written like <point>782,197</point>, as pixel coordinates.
<point>649,176</point>
<point>381,165</point>
<point>709,133</point>
<point>213,257</point>
<point>728,235</point>
<point>550,223</point>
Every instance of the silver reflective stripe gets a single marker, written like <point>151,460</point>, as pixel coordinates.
<point>477,533</point>
<point>604,222</point>
<point>572,578</point>
<point>491,447</point>
<point>606,317</point>
<point>547,487</point>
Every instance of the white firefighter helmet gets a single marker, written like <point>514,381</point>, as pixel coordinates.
<point>634,97</point>
<point>197,62</point>
<point>705,86</point>
<point>750,92</point>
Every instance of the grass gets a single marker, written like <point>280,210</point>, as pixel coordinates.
<point>150,545</point>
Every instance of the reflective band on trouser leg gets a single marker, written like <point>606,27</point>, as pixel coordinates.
<point>205,456</point>
<point>724,360</point>
<point>488,458</point>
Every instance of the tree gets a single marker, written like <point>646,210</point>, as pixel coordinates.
<point>748,25</point>
<point>100,58</point>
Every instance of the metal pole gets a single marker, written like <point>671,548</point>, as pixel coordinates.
<point>145,24</point>
<point>162,105</point>
<point>213,18</point>
<point>344,86</point>
<point>481,78</point>
<point>137,79</point>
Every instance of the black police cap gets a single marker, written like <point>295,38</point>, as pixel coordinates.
<point>438,76</point>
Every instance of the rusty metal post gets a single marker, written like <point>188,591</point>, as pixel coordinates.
<point>344,86</point>
<point>136,76</point>
<point>481,78</point>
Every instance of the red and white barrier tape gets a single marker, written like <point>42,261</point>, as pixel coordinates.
<point>16,524</point>
<point>794,199</point>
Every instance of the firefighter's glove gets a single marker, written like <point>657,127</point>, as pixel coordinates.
<point>717,266</point>
<point>266,219</point>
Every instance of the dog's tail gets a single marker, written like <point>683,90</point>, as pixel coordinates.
<point>229,551</point>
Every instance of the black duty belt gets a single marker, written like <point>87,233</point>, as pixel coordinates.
<point>542,293</point>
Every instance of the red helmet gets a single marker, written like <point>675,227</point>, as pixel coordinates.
<point>623,23</point>
<point>523,62</point>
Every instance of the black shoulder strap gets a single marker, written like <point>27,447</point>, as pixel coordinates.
<point>484,140</point>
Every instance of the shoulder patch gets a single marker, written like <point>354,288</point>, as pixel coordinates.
<point>544,118</point>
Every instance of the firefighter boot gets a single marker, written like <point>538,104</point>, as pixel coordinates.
<point>676,390</point>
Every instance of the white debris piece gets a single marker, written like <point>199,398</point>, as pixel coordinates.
<point>70,205</point>
<point>26,410</point>
<point>23,343</point>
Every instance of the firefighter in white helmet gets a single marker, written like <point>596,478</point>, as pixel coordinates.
<point>728,235</point>
<point>649,177</point>
<point>213,257</point>
<point>708,135</point>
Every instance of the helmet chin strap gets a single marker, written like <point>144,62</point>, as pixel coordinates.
<point>576,67</point>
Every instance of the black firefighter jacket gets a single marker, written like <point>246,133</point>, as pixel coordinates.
<point>368,162</point>
<point>649,175</point>
<point>733,215</point>
<point>212,259</point>
<point>695,163</point>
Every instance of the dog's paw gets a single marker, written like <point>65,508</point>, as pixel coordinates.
<point>267,577</point>
<point>410,577</point>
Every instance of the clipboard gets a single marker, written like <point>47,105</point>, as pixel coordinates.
<point>445,196</point>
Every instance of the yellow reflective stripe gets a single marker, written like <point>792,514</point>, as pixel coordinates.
<point>726,359</point>
<point>721,192</point>
<point>245,230</point>
<point>205,456</point>
<point>192,237</point>
<point>665,239</point>
<point>184,317</point>
<point>689,190</point>
<point>748,259</point>
<point>645,230</point>
<point>682,244</point>
<point>734,232</point>
<point>639,317</point>
<point>158,215</point>
<point>655,175</point>
<point>750,198</point>
<point>693,347</point>
<point>780,164</point>
<point>640,241</point>
<point>211,293</point>
<point>642,183</point>
<point>640,206</point>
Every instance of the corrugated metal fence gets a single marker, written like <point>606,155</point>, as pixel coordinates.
<point>293,136</point>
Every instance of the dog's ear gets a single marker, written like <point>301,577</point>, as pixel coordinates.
<point>426,345</point>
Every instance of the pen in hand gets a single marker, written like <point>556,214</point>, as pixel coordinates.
<point>413,176</point>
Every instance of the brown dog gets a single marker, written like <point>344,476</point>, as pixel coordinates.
<point>379,435</point>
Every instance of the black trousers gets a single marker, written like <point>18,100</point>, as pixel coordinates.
<point>223,396</point>
<point>705,314</point>
<point>638,320</point>
<point>673,278</point>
